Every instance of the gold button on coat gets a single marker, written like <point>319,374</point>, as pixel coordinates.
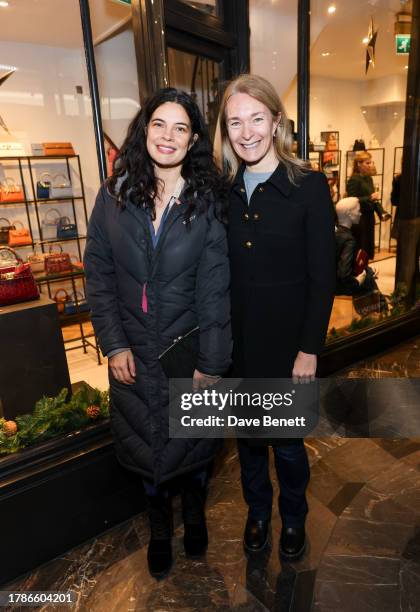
<point>248,244</point>
<point>246,216</point>
<point>256,216</point>
<point>260,188</point>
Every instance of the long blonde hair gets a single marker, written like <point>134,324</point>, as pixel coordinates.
<point>360,157</point>
<point>259,88</point>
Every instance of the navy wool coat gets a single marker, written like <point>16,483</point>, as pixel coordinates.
<point>283,271</point>
<point>185,282</point>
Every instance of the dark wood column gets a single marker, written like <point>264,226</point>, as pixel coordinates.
<point>235,15</point>
<point>303,76</point>
<point>149,38</point>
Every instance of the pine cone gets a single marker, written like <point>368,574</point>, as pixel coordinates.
<point>93,411</point>
<point>9,428</point>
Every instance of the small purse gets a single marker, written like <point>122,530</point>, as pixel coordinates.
<point>61,297</point>
<point>4,231</point>
<point>66,229</point>
<point>76,262</point>
<point>17,283</point>
<point>361,262</point>
<point>359,145</point>
<point>8,257</point>
<point>37,262</point>
<point>61,187</point>
<point>19,237</point>
<point>57,263</point>
<point>10,191</point>
<point>77,304</point>
<point>43,186</point>
<point>49,224</point>
<point>180,359</point>
<point>58,148</point>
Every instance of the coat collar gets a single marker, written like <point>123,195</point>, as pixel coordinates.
<point>279,179</point>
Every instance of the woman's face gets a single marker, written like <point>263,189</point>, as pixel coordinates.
<point>366,167</point>
<point>250,127</point>
<point>169,135</point>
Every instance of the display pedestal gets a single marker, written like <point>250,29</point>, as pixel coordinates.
<point>33,359</point>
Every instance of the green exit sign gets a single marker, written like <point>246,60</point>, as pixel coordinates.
<point>402,44</point>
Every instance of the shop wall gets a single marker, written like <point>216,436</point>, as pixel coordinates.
<point>338,105</point>
<point>39,103</point>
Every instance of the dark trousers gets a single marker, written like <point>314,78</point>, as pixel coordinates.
<point>293,472</point>
<point>198,478</point>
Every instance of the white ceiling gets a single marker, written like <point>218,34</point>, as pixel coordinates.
<point>57,23</point>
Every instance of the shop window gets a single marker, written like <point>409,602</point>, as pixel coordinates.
<point>357,104</point>
<point>273,47</point>
<point>49,180</point>
<point>199,77</point>
<point>116,69</point>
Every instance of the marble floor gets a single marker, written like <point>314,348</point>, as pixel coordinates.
<point>363,530</point>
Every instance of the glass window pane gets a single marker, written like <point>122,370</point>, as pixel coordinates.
<point>357,111</point>
<point>273,47</point>
<point>208,6</point>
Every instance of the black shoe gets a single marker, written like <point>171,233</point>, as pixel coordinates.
<point>159,552</point>
<point>256,534</point>
<point>195,529</point>
<point>292,543</point>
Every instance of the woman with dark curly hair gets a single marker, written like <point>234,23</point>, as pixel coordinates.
<point>156,268</point>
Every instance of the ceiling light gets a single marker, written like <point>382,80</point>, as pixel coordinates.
<point>406,67</point>
<point>4,3</point>
<point>326,54</point>
<point>331,9</point>
<point>365,40</point>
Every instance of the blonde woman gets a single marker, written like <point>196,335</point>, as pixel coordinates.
<point>282,254</point>
<point>360,185</point>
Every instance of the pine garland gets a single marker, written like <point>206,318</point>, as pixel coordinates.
<point>53,416</point>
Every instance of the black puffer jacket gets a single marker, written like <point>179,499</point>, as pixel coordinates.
<point>185,282</point>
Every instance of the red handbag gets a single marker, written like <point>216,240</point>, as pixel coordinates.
<point>17,283</point>
<point>56,263</point>
<point>361,262</point>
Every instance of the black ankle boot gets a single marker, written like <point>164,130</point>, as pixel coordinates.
<point>159,552</point>
<point>193,514</point>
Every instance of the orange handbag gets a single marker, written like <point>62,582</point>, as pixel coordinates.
<point>19,237</point>
<point>10,191</point>
<point>58,148</point>
<point>60,300</point>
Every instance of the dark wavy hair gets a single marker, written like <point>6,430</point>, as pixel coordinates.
<point>133,174</point>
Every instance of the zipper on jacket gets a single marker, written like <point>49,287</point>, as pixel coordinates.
<point>144,304</point>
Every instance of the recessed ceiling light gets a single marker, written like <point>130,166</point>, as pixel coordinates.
<point>331,9</point>
<point>4,3</point>
<point>326,54</point>
<point>406,67</point>
<point>365,40</point>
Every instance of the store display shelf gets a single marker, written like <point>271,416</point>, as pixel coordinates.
<point>54,240</point>
<point>40,201</point>
<point>41,277</point>
<point>35,157</point>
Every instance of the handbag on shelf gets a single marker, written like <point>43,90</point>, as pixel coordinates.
<point>10,191</point>
<point>61,187</point>
<point>359,145</point>
<point>8,257</point>
<point>19,237</point>
<point>180,359</point>
<point>43,186</point>
<point>78,303</point>
<point>57,263</point>
<point>58,148</point>
<point>12,149</point>
<point>76,263</point>
<point>66,229</point>
<point>37,262</point>
<point>61,297</point>
<point>4,230</point>
<point>49,224</point>
<point>17,283</point>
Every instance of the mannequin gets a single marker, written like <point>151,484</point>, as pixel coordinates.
<point>348,215</point>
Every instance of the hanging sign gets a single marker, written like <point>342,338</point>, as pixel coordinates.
<point>402,44</point>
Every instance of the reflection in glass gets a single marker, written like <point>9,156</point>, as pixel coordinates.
<point>208,6</point>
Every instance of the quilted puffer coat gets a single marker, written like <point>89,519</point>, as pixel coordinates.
<point>143,298</point>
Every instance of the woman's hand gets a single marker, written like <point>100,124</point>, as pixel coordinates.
<point>375,196</point>
<point>201,381</point>
<point>304,368</point>
<point>123,367</point>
